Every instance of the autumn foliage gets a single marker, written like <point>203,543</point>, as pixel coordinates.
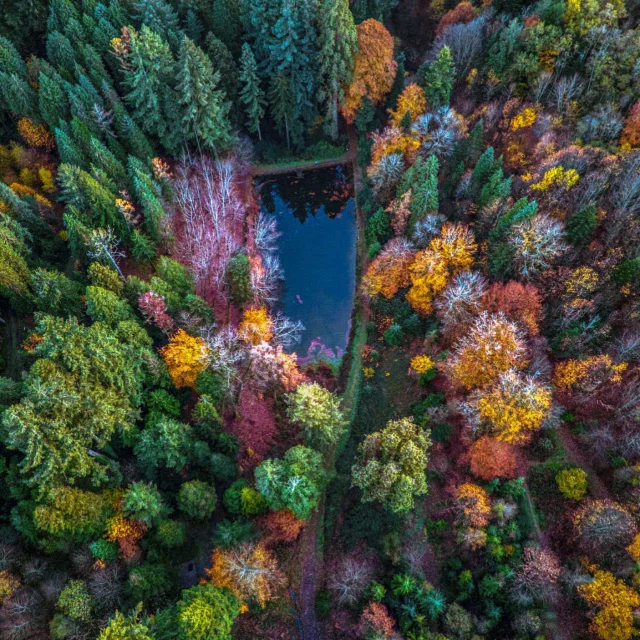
<point>631,132</point>
<point>462,13</point>
<point>389,271</point>
<point>491,458</point>
<point>519,302</point>
<point>185,357</point>
<point>256,326</point>
<point>375,68</point>
<point>412,101</point>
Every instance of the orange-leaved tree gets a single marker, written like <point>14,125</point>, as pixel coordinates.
<point>491,347</point>
<point>389,271</point>
<point>491,458</point>
<point>448,254</point>
<point>375,68</point>
<point>186,357</point>
<point>249,571</point>
<point>631,132</point>
<point>412,101</point>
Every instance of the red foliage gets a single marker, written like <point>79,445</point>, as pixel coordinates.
<point>280,526</point>
<point>521,303</point>
<point>376,620</point>
<point>461,13</point>
<point>491,459</point>
<point>254,426</point>
<point>153,308</point>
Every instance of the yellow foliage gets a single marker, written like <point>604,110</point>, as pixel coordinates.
<point>35,135</point>
<point>445,257</point>
<point>8,585</point>
<point>475,503</point>
<point>616,601</point>
<point>587,374</point>
<point>389,271</point>
<point>422,364</point>
<point>526,118</point>
<point>393,141</point>
<point>634,548</point>
<point>23,190</point>
<point>120,527</point>
<point>368,372</point>
<point>46,180</point>
<point>256,326</point>
<point>413,101</point>
<point>185,357</point>
<point>515,407</point>
<point>572,483</point>
<point>557,176</point>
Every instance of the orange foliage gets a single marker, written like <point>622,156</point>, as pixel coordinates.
<point>376,622</point>
<point>24,190</point>
<point>186,357</point>
<point>446,256</point>
<point>392,141</point>
<point>35,135</point>
<point>374,68</point>
<point>631,132</point>
<point>461,13</point>
<point>491,459</point>
<point>280,526</point>
<point>389,271</point>
<point>249,571</point>
<point>475,505</point>
<point>411,100</point>
<point>256,326</point>
<point>492,346</point>
<point>120,527</point>
<point>519,302</point>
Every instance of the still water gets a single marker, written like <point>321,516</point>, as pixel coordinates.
<point>316,217</point>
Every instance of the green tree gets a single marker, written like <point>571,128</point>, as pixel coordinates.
<point>317,410</point>
<point>105,306</point>
<point>282,104</point>
<point>84,385</point>
<point>143,502</point>
<point>206,613</point>
<point>251,95</point>
<point>122,627</point>
<point>581,225</point>
<point>438,80</point>
<point>222,61</point>
<point>14,272</point>
<point>53,101</point>
<point>226,24</point>
<point>238,278</point>
<point>294,482</point>
<point>166,444</point>
<point>159,16</point>
<point>205,112</point>
<point>337,43</point>
<point>197,499</point>
<point>391,465</point>
<point>74,601</point>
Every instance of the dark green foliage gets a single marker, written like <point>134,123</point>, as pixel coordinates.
<point>238,278</point>
<point>55,293</point>
<point>581,226</point>
<point>393,335</point>
<point>627,272</point>
<point>148,581</point>
<point>251,94</point>
<point>144,503</point>
<point>197,499</point>
<point>230,533</point>
<point>171,533</point>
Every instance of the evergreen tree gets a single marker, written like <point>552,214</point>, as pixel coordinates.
<point>223,61</point>
<point>398,83</point>
<point>103,159</point>
<point>226,24</point>
<point>338,40</point>
<point>160,18</point>
<point>10,60</point>
<point>581,226</point>
<point>205,113</point>
<point>147,193</point>
<point>438,79</point>
<point>251,94</point>
<point>68,151</point>
<point>62,55</point>
<point>281,104</point>
<point>17,95</point>
<point>53,99</point>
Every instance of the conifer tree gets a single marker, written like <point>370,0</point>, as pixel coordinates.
<point>581,225</point>
<point>160,18</point>
<point>61,54</point>
<point>438,79</point>
<point>223,61</point>
<point>53,101</point>
<point>226,24</point>
<point>205,112</point>
<point>281,104</point>
<point>251,94</point>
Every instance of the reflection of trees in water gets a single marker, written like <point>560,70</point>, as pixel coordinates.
<point>328,188</point>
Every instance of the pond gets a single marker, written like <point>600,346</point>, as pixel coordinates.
<point>316,217</point>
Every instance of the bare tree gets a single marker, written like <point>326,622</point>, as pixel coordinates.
<point>465,42</point>
<point>349,579</point>
<point>103,244</point>
<point>565,89</point>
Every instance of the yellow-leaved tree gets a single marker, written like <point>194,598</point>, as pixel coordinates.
<point>186,357</point>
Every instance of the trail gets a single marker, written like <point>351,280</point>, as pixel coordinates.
<point>310,550</point>
<point>301,165</point>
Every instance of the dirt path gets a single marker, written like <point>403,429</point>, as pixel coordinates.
<point>576,456</point>
<point>301,165</point>
<point>310,553</point>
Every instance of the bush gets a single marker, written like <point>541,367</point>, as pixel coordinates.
<point>197,499</point>
<point>239,278</point>
<point>322,151</point>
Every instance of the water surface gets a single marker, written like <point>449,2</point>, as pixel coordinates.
<point>317,248</point>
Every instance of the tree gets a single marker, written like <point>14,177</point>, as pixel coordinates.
<point>122,627</point>
<point>85,384</point>
<point>374,68</point>
<point>197,499</point>
<point>238,278</point>
<point>256,326</point>
<point>389,271</point>
<point>165,444</point>
<point>491,458</point>
<point>338,41</point>
<point>492,346</point>
<point>206,612</point>
<point>519,303</point>
<point>144,503</point>
<point>282,105</point>
<point>462,13</point>
<point>186,357</point>
<point>631,132</point>
<point>294,482</point>
<point>14,272</point>
<point>439,78</point>
<point>74,601</point>
<point>280,527</point>
<point>537,578</point>
<point>226,24</point>
<point>205,112</point>
<point>250,572</point>
<point>391,465</point>
<point>251,94</point>
<point>376,621</point>
<point>572,483</point>
<point>317,410</point>
<point>603,525</point>
<point>582,225</point>
<point>411,101</point>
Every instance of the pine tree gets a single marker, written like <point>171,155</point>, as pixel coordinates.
<point>251,94</point>
<point>398,83</point>
<point>10,59</point>
<point>62,55</point>
<point>438,79</point>
<point>68,151</point>
<point>205,112</point>
<point>53,99</point>
<point>160,18</point>
<point>149,78</point>
<point>338,41</point>
<point>281,104</point>
<point>581,225</point>
<point>223,61</point>
<point>18,96</point>
<point>103,159</point>
<point>226,24</point>
<point>147,194</point>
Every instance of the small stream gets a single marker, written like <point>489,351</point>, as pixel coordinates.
<point>317,249</point>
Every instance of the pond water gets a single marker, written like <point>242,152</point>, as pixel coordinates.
<point>317,249</point>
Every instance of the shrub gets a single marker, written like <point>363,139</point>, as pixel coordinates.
<point>572,483</point>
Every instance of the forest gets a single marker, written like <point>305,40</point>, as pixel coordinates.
<point>468,468</point>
